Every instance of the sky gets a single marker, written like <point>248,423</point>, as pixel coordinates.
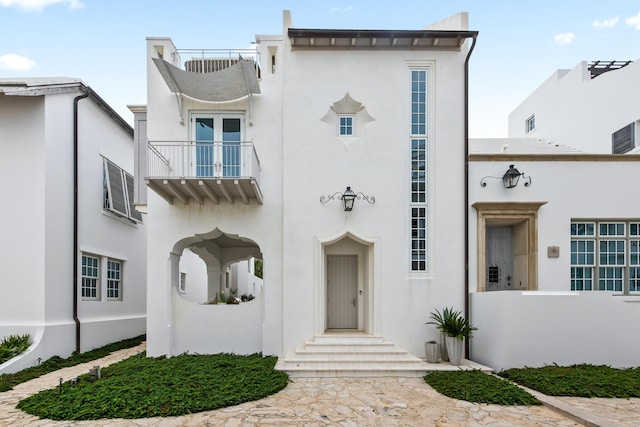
<point>520,43</point>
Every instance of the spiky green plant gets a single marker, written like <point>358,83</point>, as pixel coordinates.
<point>13,345</point>
<point>452,323</point>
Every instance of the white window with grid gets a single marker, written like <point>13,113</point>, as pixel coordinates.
<point>605,256</point>
<point>531,123</point>
<point>114,279</point>
<point>418,179</point>
<point>345,125</point>
<point>90,288</point>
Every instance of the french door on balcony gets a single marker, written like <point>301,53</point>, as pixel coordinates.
<point>217,144</point>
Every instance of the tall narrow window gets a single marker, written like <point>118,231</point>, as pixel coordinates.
<point>418,102</point>
<point>114,279</point>
<point>418,170</point>
<point>418,179</point>
<point>90,277</point>
<point>418,239</point>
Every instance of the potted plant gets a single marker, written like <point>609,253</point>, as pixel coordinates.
<point>439,320</point>
<point>456,328</point>
<point>431,351</point>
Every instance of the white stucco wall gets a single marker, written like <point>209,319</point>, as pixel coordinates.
<point>571,108</point>
<point>196,277</point>
<point>376,163</point>
<point>169,224</point>
<point>517,329</point>
<point>22,223</point>
<point>37,134</point>
<point>104,234</point>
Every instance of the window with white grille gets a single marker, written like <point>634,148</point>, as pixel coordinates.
<point>605,256</point>
<point>90,287</point>
<point>114,279</point>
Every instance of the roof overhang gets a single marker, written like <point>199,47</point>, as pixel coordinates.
<point>234,82</point>
<point>379,39</point>
<point>43,86</point>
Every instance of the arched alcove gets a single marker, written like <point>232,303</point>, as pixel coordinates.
<point>204,323</point>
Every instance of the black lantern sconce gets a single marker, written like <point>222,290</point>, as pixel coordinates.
<point>510,178</point>
<point>348,198</point>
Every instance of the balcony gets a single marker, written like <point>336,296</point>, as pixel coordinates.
<point>189,171</point>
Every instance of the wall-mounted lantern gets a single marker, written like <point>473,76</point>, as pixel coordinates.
<point>510,178</point>
<point>348,198</point>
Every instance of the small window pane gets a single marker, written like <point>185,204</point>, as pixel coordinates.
<point>345,126</point>
<point>582,229</point>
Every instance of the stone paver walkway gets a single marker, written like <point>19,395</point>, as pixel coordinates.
<point>618,412</point>
<point>346,402</point>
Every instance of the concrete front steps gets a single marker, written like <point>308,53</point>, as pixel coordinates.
<point>351,355</point>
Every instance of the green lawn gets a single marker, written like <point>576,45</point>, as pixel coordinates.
<point>141,387</point>
<point>478,387</point>
<point>578,380</point>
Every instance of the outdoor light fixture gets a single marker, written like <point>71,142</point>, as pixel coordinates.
<point>348,197</point>
<point>510,178</point>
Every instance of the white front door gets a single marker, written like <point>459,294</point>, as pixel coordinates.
<point>342,292</point>
<point>499,258</point>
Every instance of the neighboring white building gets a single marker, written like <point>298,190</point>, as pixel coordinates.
<point>47,233</point>
<point>250,155</point>
<point>594,107</point>
<point>555,265</point>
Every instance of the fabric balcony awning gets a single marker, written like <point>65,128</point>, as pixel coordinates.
<point>228,84</point>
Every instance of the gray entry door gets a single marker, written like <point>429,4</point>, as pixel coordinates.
<point>342,292</point>
<point>499,257</point>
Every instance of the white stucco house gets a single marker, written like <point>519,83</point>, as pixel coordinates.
<point>594,107</point>
<point>341,159</point>
<point>73,252</point>
<point>254,154</point>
